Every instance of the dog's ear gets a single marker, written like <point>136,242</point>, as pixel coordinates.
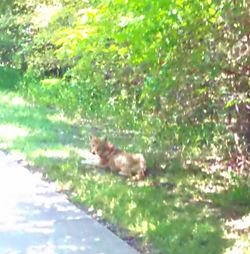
<point>105,139</point>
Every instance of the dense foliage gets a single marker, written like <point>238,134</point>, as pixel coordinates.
<point>175,71</point>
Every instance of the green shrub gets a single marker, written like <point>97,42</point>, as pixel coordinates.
<point>10,78</point>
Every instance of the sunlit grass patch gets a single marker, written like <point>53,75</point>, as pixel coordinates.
<point>60,117</point>
<point>233,230</point>
<point>10,131</point>
<point>12,99</point>
<point>153,213</point>
<point>55,153</point>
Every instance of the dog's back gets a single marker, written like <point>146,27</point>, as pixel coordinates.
<point>129,164</point>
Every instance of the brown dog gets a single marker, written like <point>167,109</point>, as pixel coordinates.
<point>132,165</point>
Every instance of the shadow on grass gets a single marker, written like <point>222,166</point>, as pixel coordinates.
<point>176,220</point>
<point>235,202</point>
<point>10,78</point>
<point>179,220</point>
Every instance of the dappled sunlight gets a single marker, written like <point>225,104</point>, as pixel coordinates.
<point>142,227</point>
<point>240,224</point>
<point>43,227</point>
<point>10,132</point>
<point>173,202</point>
<point>66,152</point>
<point>210,187</point>
<point>43,14</point>
<point>166,79</point>
<point>17,101</point>
<point>13,100</point>
<point>238,230</point>
<point>50,153</point>
<point>60,117</point>
<point>149,211</point>
<point>36,219</point>
<point>241,246</point>
<point>233,230</point>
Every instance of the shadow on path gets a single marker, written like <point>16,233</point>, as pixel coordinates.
<point>36,219</point>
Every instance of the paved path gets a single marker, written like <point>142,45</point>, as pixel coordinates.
<point>34,219</point>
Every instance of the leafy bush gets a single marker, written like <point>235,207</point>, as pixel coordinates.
<point>10,78</point>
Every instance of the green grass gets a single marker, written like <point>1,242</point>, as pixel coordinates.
<point>198,215</point>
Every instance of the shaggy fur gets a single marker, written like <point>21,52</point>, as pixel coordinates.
<point>128,164</point>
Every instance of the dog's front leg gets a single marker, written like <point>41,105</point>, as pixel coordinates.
<point>103,163</point>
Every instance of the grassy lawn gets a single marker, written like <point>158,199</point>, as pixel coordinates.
<point>174,211</point>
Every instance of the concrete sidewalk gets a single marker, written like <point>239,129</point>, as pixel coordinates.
<point>34,218</point>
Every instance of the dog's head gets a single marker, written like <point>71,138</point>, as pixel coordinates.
<point>97,145</point>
